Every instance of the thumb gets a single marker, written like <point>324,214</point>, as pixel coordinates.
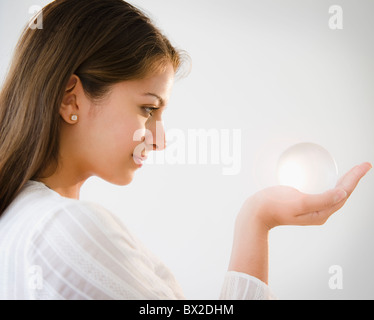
<point>319,202</point>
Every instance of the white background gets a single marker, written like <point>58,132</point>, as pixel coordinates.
<point>275,70</point>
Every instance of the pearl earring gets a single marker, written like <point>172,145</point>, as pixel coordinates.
<point>73,117</point>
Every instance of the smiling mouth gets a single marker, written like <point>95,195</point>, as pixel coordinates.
<point>139,160</point>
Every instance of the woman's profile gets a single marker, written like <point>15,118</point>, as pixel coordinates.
<point>84,96</point>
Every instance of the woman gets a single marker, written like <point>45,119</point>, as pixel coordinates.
<point>84,97</point>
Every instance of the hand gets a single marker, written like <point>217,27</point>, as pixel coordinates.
<point>281,205</point>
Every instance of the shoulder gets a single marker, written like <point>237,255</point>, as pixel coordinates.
<point>81,250</point>
<point>81,210</point>
<point>83,224</point>
<point>38,203</point>
<point>80,216</point>
<point>38,210</point>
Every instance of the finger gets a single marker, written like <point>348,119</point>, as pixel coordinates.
<point>325,206</point>
<point>351,179</point>
<point>360,172</point>
<point>333,200</point>
<point>319,202</point>
<point>317,218</point>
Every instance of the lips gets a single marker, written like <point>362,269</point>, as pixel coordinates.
<point>139,160</point>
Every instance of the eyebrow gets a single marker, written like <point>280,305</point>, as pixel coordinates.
<point>161,101</point>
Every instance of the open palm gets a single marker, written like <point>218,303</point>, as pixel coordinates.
<point>281,205</point>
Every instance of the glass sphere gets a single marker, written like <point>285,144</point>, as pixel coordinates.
<point>308,168</point>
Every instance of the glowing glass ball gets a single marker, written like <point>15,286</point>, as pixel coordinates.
<point>308,168</point>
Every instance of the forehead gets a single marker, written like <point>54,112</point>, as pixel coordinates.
<point>155,86</point>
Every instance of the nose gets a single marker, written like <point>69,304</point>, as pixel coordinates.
<point>155,138</point>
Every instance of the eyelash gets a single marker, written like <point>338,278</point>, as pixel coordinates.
<point>149,108</point>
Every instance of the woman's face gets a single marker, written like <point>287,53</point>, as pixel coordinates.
<point>109,139</point>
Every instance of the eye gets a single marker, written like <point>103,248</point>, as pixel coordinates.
<point>149,110</point>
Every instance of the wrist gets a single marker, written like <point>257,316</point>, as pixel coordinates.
<point>252,215</point>
<point>250,246</point>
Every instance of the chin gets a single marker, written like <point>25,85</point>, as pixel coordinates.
<point>120,181</point>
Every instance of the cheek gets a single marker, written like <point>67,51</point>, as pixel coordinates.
<point>116,137</point>
<point>129,136</point>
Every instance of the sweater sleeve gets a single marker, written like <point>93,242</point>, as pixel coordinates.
<point>241,286</point>
<point>83,252</point>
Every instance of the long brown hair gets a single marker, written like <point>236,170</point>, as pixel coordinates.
<point>103,42</point>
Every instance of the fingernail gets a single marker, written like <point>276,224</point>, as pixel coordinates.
<point>340,196</point>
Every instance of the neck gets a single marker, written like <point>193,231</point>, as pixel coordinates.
<point>65,181</point>
<point>64,188</point>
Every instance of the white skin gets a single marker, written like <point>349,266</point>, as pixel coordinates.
<point>101,143</point>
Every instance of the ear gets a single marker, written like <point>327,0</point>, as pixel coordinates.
<point>69,107</point>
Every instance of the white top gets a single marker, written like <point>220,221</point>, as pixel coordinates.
<point>52,247</point>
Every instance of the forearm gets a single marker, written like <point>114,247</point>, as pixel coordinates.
<point>250,245</point>
<point>280,206</point>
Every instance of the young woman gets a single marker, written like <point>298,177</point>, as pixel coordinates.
<point>83,97</point>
